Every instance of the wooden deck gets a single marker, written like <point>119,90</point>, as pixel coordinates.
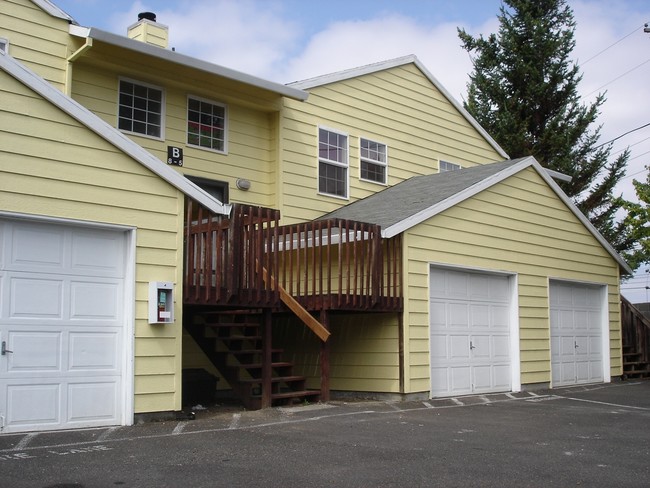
<point>247,259</point>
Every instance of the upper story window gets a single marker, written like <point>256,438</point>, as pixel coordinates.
<point>206,124</point>
<point>4,45</point>
<point>333,163</point>
<point>374,161</point>
<point>140,108</point>
<point>218,189</point>
<point>447,166</point>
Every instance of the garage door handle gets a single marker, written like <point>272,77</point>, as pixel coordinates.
<point>471,346</point>
<point>4,349</point>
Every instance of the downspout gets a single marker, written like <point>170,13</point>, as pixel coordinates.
<point>71,59</point>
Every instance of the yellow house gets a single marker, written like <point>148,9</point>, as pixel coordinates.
<point>160,214</point>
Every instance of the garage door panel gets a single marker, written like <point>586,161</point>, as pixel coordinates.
<point>36,298</point>
<point>440,381</point>
<point>500,347</point>
<point>576,333</point>
<point>459,347</point>
<point>33,404</point>
<point>62,315</point>
<point>97,254</point>
<point>34,351</point>
<point>95,300</point>
<point>461,380</point>
<point>37,248</point>
<point>476,325</point>
<point>93,401</point>
<point>93,351</point>
<point>500,318</point>
<point>458,315</point>
<point>439,347</point>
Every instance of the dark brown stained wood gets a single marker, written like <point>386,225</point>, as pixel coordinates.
<point>223,254</point>
<point>267,347</point>
<point>325,349</point>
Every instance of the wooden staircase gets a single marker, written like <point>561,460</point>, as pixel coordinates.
<point>633,364</point>
<point>233,341</point>
<point>636,341</point>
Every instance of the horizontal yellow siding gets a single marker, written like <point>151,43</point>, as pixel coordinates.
<point>518,226</point>
<point>398,107</point>
<point>251,146</point>
<point>37,39</point>
<point>52,166</point>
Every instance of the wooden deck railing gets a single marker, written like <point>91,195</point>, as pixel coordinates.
<point>635,330</point>
<point>325,265</point>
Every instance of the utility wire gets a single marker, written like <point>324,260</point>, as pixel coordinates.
<point>618,77</point>
<point>612,45</point>
<point>626,133</point>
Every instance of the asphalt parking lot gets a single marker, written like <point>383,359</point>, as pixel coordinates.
<point>591,436</point>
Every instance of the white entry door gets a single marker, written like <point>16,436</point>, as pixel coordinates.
<point>576,333</point>
<point>61,326</point>
<point>470,332</point>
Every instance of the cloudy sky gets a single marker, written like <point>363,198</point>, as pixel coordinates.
<point>290,40</point>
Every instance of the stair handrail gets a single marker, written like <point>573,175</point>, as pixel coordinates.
<point>635,329</point>
<point>308,319</point>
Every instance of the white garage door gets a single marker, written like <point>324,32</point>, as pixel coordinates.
<point>576,333</point>
<point>61,316</point>
<point>470,332</point>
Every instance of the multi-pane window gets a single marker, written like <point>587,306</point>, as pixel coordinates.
<point>447,166</point>
<point>206,124</point>
<point>140,108</point>
<point>332,163</point>
<point>374,161</point>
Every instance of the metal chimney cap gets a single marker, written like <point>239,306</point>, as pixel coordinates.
<point>147,15</point>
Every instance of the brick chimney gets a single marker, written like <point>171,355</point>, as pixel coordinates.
<point>146,29</point>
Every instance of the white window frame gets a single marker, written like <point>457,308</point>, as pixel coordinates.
<point>225,124</point>
<point>345,164</point>
<point>4,45</point>
<point>375,162</point>
<point>162,108</point>
<point>450,166</point>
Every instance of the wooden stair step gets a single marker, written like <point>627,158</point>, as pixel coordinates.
<point>277,379</point>
<point>295,394</point>
<point>254,351</point>
<point>278,364</point>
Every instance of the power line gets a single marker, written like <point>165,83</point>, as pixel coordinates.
<point>631,145</point>
<point>618,77</point>
<point>612,45</point>
<point>626,133</point>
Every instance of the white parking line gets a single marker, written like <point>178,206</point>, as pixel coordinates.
<point>179,428</point>
<point>106,434</point>
<point>606,403</point>
<point>457,401</point>
<point>234,423</point>
<point>24,442</point>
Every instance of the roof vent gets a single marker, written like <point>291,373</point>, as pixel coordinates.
<point>147,30</point>
<point>147,15</point>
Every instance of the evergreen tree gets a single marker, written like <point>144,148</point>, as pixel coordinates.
<point>523,91</point>
<point>637,223</point>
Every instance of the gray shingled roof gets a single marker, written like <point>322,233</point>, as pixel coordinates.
<point>401,201</point>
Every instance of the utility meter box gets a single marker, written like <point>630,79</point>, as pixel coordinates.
<point>161,302</point>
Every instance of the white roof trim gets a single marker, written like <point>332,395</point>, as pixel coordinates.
<point>439,207</point>
<point>110,134</point>
<point>190,62</point>
<point>392,63</point>
<point>53,10</point>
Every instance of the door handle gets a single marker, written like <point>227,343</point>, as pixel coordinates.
<point>3,349</point>
<point>471,345</point>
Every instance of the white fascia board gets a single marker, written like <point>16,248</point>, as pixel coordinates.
<point>190,62</point>
<point>53,10</point>
<point>110,134</point>
<point>556,175</point>
<point>469,192</point>
<point>392,63</point>
<point>493,180</point>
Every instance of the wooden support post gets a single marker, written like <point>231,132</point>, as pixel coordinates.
<point>400,339</point>
<point>267,338</point>
<point>325,360</point>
